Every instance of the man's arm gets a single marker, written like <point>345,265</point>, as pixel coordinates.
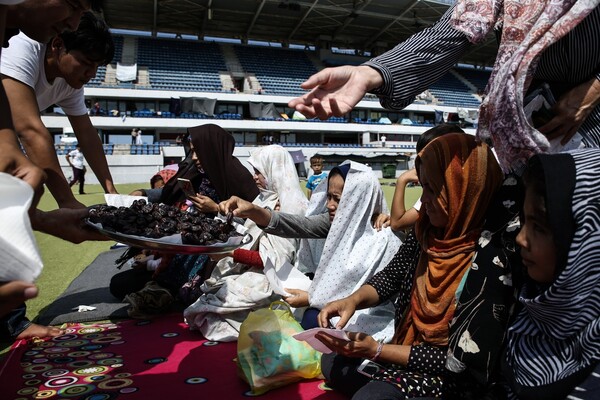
<point>91,147</point>
<point>413,65</point>
<point>37,141</point>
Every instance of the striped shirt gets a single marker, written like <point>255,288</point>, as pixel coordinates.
<point>413,65</point>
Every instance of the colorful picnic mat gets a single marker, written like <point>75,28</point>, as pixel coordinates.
<point>134,359</point>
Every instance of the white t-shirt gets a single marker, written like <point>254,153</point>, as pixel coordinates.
<point>23,60</point>
<point>76,158</point>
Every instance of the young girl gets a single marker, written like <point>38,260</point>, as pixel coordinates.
<point>554,343</point>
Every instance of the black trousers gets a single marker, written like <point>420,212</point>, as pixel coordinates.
<point>78,176</point>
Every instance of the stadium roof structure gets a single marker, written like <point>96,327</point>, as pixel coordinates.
<point>364,25</point>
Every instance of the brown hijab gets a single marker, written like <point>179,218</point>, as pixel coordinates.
<point>214,148</point>
<point>465,176</point>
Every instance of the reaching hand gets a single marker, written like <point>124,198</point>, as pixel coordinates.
<point>239,207</point>
<point>343,308</point>
<point>360,344</point>
<point>335,91</point>
<point>298,298</point>
<point>67,224</point>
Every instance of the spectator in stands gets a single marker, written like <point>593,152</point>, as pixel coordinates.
<point>39,20</point>
<point>571,28</point>
<point>216,314</point>
<point>36,76</point>
<point>401,218</point>
<point>316,164</point>
<point>138,137</point>
<point>448,232</point>
<point>75,159</point>
<point>383,138</point>
<point>133,136</point>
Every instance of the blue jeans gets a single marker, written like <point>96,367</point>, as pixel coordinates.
<point>13,323</point>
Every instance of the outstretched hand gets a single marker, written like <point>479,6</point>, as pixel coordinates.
<point>343,308</point>
<point>335,91</point>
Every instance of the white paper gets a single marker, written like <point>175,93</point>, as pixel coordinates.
<point>309,337</point>
<point>286,276</point>
<point>121,200</point>
<point>19,252</point>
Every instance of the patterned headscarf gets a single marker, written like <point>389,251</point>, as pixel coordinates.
<point>354,251</point>
<point>558,331</point>
<point>465,176</point>
<point>528,28</point>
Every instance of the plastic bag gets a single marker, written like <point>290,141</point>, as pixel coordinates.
<point>268,355</point>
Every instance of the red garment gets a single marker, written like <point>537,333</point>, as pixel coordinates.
<point>248,257</point>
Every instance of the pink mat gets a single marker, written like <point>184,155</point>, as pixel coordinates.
<point>134,359</point>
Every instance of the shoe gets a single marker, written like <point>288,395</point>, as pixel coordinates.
<point>82,193</point>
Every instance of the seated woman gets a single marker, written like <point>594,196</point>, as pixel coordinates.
<point>353,251</point>
<point>225,303</point>
<point>459,179</point>
<point>553,349</point>
<point>215,174</point>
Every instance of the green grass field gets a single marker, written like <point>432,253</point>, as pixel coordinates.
<point>63,261</point>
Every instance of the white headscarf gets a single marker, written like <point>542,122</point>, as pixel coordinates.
<point>354,251</point>
<point>277,166</point>
<point>233,289</point>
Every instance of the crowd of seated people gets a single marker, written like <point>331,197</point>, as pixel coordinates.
<point>491,292</point>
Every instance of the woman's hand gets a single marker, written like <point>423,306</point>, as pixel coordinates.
<point>343,308</point>
<point>298,298</point>
<point>360,344</point>
<point>335,91</point>
<point>244,209</point>
<point>204,204</point>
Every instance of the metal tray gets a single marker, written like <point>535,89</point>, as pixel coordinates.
<point>169,247</point>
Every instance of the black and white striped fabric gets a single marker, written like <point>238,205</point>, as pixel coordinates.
<point>557,333</point>
<point>413,65</point>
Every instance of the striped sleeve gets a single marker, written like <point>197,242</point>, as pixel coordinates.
<point>413,65</point>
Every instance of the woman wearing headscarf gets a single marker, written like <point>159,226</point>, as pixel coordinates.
<point>226,300</point>
<point>553,349</point>
<point>353,250</point>
<point>215,174</point>
<point>459,179</point>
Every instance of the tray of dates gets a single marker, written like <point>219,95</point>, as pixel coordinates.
<point>166,228</point>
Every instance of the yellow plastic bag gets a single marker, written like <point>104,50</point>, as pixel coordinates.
<point>268,355</point>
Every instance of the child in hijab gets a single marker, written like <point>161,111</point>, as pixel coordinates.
<point>554,343</point>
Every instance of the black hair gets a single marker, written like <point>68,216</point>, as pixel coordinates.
<point>92,38</point>
<point>155,179</point>
<point>436,132</point>
<point>540,178</point>
<point>96,5</point>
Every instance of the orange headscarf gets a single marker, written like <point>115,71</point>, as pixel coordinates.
<point>464,175</point>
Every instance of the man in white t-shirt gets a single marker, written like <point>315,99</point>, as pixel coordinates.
<point>75,160</point>
<point>40,20</point>
<point>37,76</point>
